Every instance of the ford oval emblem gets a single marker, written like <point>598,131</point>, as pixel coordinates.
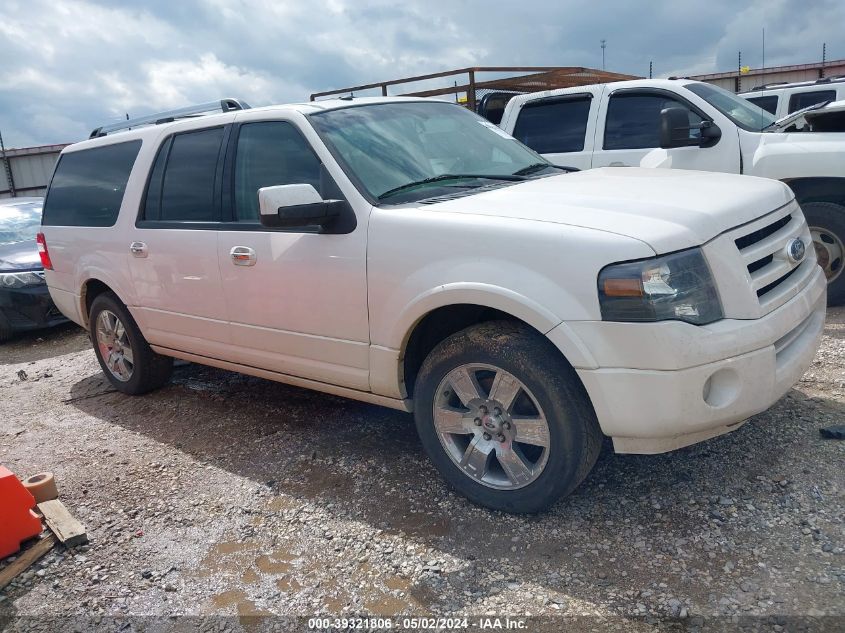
<point>796,250</point>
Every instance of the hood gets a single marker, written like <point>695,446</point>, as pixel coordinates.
<point>668,209</point>
<point>19,256</point>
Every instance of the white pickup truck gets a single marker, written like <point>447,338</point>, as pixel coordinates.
<point>683,124</point>
<point>408,253</point>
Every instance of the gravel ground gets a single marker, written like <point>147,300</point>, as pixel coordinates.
<point>225,494</point>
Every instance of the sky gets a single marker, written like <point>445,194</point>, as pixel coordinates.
<point>68,66</point>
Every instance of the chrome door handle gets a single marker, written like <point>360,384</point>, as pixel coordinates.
<point>138,249</point>
<point>242,256</point>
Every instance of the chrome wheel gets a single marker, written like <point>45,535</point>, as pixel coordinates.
<point>491,426</point>
<point>114,346</point>
<point>829,252</point>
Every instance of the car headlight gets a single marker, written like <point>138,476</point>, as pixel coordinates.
<point>19,280</point>
<point>672,287</point>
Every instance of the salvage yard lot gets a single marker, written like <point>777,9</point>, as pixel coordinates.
<point>226,494</point>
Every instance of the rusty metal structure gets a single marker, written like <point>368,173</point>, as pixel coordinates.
<point>538,78</point>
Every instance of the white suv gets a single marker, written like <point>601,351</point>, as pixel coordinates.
<point>408,253</point>
<point>784,98</point>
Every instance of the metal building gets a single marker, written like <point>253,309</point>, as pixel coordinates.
<point>26,171</point>
<point>737,81</point>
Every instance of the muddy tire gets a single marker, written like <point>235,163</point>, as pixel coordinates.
<point>827,226</point>
<point>126,358</point>
<point>504,418</point>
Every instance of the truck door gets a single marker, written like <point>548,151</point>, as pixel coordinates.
<point>628,134</point>
<point>560,127</point>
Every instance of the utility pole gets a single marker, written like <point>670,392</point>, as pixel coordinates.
<point>8,168</point>
<point>824,56</point>
<point>603,46</point>
<point>650,68</point>
<point>739,72</point>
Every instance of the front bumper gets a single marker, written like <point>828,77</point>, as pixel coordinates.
<point>28,308</point>
<point>661,386</point>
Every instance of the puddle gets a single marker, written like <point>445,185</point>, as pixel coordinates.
<point>250,577</point>
<point>276,563</point>
<point>227,557</point>
<point>228,598</point>
<point>385,604</point>
<point>335,604</point>
<point>395,583</point>
<point>288,584</point>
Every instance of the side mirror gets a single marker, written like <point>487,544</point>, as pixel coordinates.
<point>292,206</point>
<point>710,134</point>
<point>675,127</point>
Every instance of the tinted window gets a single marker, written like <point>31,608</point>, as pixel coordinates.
<point>769,104</point>
<point>270,153</point>
<point>633,121</point>
<point>187,190</point>
<point>554,126</point>
<point>87,187</point>
<point>805,99</point>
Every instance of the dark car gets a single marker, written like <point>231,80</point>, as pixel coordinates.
<point>25,302</point>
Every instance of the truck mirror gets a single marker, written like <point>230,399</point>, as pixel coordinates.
<point>710,134</point>
<point>674,128</point>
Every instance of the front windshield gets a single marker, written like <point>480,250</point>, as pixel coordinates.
<point>390,145</point>
<point>19,222</point>
<point>742,112</point>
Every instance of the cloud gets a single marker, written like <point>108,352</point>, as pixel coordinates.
<point>72,65</point>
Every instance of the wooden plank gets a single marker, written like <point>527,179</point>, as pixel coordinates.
<point>67,529</point>
<point>25,559</point>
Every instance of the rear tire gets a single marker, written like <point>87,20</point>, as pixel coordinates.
<point>827,225</point>
<point>126,358</point>
<point>521,394</point>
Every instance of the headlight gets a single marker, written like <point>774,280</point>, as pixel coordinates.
<point>19,280</point>
<point>678,286</point>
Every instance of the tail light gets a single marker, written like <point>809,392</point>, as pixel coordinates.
<point>43,252</point>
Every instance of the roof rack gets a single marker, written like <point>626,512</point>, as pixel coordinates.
<point>223,105</point>
<point>799,84</point>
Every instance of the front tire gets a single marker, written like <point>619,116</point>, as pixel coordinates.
<point>827,227</point>
<point>504,418</point>
<point>125,357</point>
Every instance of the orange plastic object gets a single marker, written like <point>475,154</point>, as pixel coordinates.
<point>17,520</point>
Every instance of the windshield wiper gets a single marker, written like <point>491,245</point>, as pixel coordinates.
<point>537,167</point>
<point>425,181</point>
<point>789,118</point>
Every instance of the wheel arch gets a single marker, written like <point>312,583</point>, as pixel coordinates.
<point>818,189</point>
<point>449,309</point>
<point>90,289</point>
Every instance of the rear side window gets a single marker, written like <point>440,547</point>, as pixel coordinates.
<point>633,120</point>
<point>554,126</point>
<point>769,104</point>
<point>88,186</point>
<point>184,177</point>
<point>805,99</point>
<point>270,153</point>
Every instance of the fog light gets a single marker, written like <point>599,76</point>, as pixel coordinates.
<point>721,388</point>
